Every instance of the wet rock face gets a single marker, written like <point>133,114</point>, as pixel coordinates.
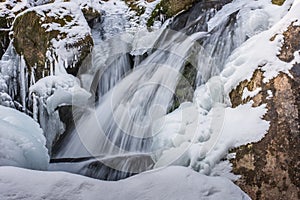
<point>270,168</point>
<point>197,12</point>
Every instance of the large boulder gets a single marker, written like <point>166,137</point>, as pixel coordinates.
<point>52,38</point>
<point>270,168</point>
<point>8,10</point>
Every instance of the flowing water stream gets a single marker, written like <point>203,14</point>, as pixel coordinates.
<point>114,138</point>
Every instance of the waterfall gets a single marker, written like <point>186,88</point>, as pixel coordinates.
<point>130,100</point>
<point>136,86</point>
<point>132,82</point>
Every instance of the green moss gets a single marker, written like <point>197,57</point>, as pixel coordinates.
<point>278,2</point>
<point>169,8</point>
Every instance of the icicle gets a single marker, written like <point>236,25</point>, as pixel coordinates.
<point>22,66</point>
<point>32,78</point>
<point>35,107</point>
<point>51,69</point>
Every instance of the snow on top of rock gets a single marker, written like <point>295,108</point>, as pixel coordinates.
<point>203,141</point>
<point>74,24</point>
<point>140,21</point>
<point>10,7</point>
<point>246,59</point>
<point>157,184</point>
<point>22,141</point>
<point>60,90</point>
<point>71,35</point>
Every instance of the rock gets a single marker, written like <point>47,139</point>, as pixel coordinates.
<point>91,15</point>
<point>188,18</point>
<point>52,37</point>
<point>169,8</point>
<point>278,2</point>
<point>6,19</point>
<point>9,9</point>
<point>270,168</point>
<point>291,44</point>
<point>184,91</point>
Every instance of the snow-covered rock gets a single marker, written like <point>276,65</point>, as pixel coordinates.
<point>53,38</point>
<point>266,71</point>
<point>22,143</point>
<point>8,11</point>
<point>59,91</point>
<point>174,183</point>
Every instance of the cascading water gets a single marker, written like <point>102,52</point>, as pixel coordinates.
<point>120,127</point>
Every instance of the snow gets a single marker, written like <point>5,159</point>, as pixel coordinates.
<point>22,142</point>
<point>162,184</point>
<point>246,59</point>
<point>60,90</point>
<point>10,7</point>
<point>62,52</point>
<point>201,134</point>
<point>247,93</point>
<point>197,135</point>
<point>138,22</point>
<point>200,139</point>
<point>74,30</point>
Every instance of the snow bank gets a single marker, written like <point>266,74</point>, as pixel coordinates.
<point>200,139</point>
<point>162,184</point>
<point>22,143</point>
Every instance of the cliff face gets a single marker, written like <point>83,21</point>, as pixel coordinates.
<point>270,169</point>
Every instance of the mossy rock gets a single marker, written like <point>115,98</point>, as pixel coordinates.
<point>134,6</point>
<point>7,17</point>
<point>169,8</point>
<point>37,30</point>
<point>278,2</point>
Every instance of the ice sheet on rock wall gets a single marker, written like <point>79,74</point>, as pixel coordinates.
<point>9,70</point>
<point>22,143</point>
